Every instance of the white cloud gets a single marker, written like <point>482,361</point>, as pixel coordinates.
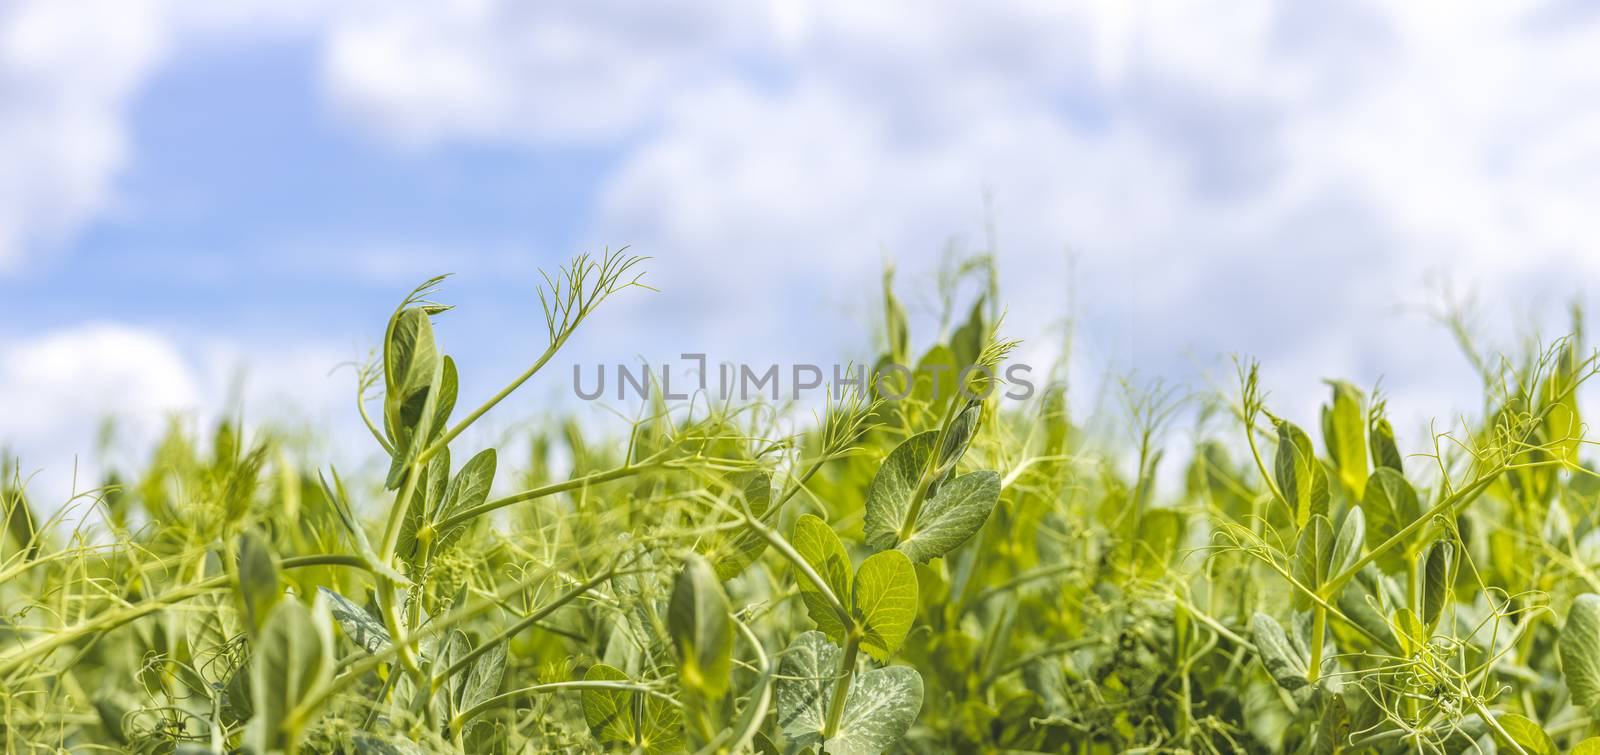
<point>66,71</point>
<point>1266,177</point>
<point>59,388</point>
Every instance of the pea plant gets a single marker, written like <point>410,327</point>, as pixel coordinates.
<point>919,567</point>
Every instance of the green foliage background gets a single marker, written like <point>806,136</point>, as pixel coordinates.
<point>938,573</point>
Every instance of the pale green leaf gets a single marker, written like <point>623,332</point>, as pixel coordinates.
<point>1313,553</point>
<point>879,709</point>
<point>1344,429</point>
<point>885,602</point>
<point>361,627</point>
<point>1390,504</point>
<point>944,522</point>
<point>702,629</point>
<point>816,542</point>
<point>806,677</point>
<point>1300,475</point>
<point>1579,649</point>
<point>292,659</point>
<point>1285,662</point>
<point>609,712</point>
<point>1527,734</point>
<point>469,488</point>
<point>1436,583</point>
<point>953,516</point>
<point>1347,546</point>
<point>258,584</point>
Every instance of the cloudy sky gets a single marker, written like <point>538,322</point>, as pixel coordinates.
<point>198,202</point>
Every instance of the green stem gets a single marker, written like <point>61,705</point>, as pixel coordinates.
<point>512,631</point>
<point>538,689</point>
<point>467,421</point>
<point>468,514</point>
<point>1319,627</point>
<point>1446,506</point>
<point>841,686</point>
<point>12,659</point>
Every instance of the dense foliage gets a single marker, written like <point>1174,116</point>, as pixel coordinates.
<point>942,572</point>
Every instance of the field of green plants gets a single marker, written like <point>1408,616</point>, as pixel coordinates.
<point>947,572</point>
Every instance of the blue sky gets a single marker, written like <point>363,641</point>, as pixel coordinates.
<point>191,194</point>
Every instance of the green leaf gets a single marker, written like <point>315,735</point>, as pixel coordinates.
<point>469,488</point>
<point>483,681</point>
<point>258,585</point>
<point>1347,547</point>
<point>699,621</point>
<point>1333,730</point>
<point>626,717</point>
<point>1579,649</point>
<point>1385,454</point>
<point>1285,662</point>
<point>732,554</point>
<point>1344,430</point>
<point>1437,582</point>
<point>953,516</point>
<point>445,401</point>
<point>816,542</point>
<point>609,712</point>
<point>1299,474</point>
<point>411,370</point>
<point>292,660</point>
<point>944,522</point>
<point>371,744</point>
<point>362,628</point>
<point>1390,505</point>
<point>1313,553</point>
<point>805,685</point>
<point>879,709</point>
<point>1590,746</point>
<point>885,602</point>
<point>1527,734</point>
<point>429,496</point>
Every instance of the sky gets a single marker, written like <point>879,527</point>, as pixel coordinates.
<point>206,205</point>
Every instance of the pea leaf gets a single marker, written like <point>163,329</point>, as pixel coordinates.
<point>1590,746</point>
<point>816,542</point>
<point>361,627</point>
<point>732,554</point>
<point>1526,734</point>
<point>411,372</point>
<point>944,522</point>
<point>698,619</point>
<point>1380,437</point>
<point>258,585</point>
<point>1299,474</point>
<point>879,709</point>
<point>369,744</point>
<point>1285,662</point>
<point>885,602</point>
<point>609,712</point>
<point>1390,505</point>
<point>1579,649</point>
<point>1344,430</point>
<point>469,488</point>
<point>292,660</point>
<point>1436,583</point>
<point>1347,546</point>
<point>1313,553</point>
<point>805,685</point>
<point>483,681</point>
<point>428,497</point>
